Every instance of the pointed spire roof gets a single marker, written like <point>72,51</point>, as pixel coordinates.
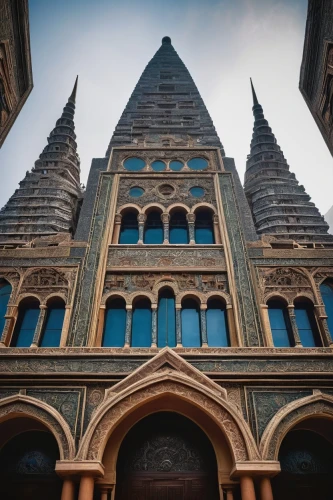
<point>46,202</point>
<point>280,206</point>
<point>165,107</point>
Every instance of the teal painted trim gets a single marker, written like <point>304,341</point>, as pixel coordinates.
<point>249,314</point>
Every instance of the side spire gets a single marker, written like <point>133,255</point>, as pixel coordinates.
<point>254,95</point>
<point>46,203</point>
<point>280,206</point>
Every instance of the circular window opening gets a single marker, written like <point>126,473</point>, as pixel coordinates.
<point>166,190</point>
<point>158,166</point>
<point>176,166</point>
<point>136,192</point>
<point>134,164</point>
<point>198,163</point>
<point>197,191</point>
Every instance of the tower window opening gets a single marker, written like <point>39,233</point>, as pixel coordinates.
<point>306,324</point>
<point>153,233</point>
<point>217,324</point>
<point>204,230</point>
<point>5,292</point>
<point>280,324</point>
<point>326,290</point>
<point>26,323</point>
<point>178,228</point>
<point>190,316</point>
<point>141,323</point>
<point>115,323</point>
<point>166,319</point>
<point>54,322</point>
<point>197,164</point>
<point>129,230</point>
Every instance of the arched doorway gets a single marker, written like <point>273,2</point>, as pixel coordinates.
<point>306,459</point>
<point>27,462</point>
<point>165,456</point>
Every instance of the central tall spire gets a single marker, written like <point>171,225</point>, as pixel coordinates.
<point>280,206</point>
<point>165,107</point>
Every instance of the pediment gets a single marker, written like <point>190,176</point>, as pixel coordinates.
<point>167,361</point>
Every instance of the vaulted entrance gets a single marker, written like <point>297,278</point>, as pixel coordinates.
<point>166,456</point>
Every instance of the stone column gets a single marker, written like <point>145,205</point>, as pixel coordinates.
<point>266,325</point>
<point>39,327</point>
<point>141,221</point>
<point>116,229</point>
<point>321,316</point>
<point>86,491</point>
<point>10,318</point>
<point>266,492</point>
<point>203,325</point>
<point>230,493</point>
<point>165,219</point>
<point>65,326</point>
<point>100,326</point>
<point>294,328</point>
<point>104,494</point>
<point>231,326</point>
<point>154,325</point>
<point>68,489</point>
<point>128,331</point>
<point>247,488</point>
<point>178,325</point>
<point>217,236</point>
<point>191,228</point>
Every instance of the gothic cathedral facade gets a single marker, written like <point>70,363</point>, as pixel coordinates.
<point>166,333</point>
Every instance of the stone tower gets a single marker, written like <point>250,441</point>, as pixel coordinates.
<point>178,344</point>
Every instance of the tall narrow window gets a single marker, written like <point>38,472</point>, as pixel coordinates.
<point>166,319</point>
<point>115,323</point>
<point>191,332</point>
<point>141,323</point>
<point>217,325</point>
<point>204,231</point>
<point>26,323</point>
<point>306,324</point>
<point>129,231</point>
<point>153,229</point>
<point>280,325</point>
<point>53,324</point>
<point>5,291</point>
<point>178,228</point>
<point>326,290</point>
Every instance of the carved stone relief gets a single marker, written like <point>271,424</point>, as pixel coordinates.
<point>286,281</point>
<point>44,281</point>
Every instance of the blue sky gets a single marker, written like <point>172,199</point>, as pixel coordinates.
<point>222,42</point>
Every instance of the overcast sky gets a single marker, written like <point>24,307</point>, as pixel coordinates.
<point>222,42</point>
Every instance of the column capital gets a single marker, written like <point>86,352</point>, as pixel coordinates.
<point>42,306</point>
<point>267,468</point>
<point>93,468</point>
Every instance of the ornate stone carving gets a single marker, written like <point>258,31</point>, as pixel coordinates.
<point>170,258</point>
<point>286,281</point>
<point>45,281</point>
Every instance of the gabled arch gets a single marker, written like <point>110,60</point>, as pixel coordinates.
<point>318,405</point>
<point>26,406</point>
<point>158,379</point>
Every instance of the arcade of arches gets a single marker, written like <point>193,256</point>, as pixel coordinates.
<point>166,443</point>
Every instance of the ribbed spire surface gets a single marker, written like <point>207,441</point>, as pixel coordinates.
<point>46,202</point>
<point>279,204</point>
<point>165,107</point>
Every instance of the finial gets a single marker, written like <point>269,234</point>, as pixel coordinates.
<point>73,94</point>
<point>166,40</point>
<point>255,100</point>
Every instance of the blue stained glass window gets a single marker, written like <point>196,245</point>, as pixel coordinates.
<point>176,165</point>
<point>136,192</point>
<point>306,325</point>
<point>129,231</point>
<point>326,290</point>
<point>53,325</point>
<point>158,166</point>
<point>141,324</point>
<point>115,324</point>
<point>191,332</point>
<point>217,326</point>
<point>204,231</point>
<point>279,324</point>
<point>197,164</point>
<point>178,230</point>
<point>134,164</point>
<point>26,323</point>
<point>166,320</point>
<point>5,291</point>
<point>197,192</point>
<point>153,233</point>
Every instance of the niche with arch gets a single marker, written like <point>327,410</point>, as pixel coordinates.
<point>204,228</point>
<point>28,314</point>
<point>280,323</point>
<point>114,323</point>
